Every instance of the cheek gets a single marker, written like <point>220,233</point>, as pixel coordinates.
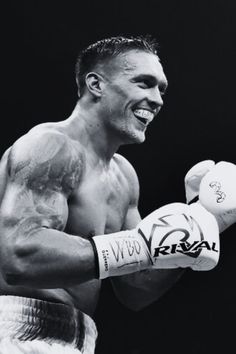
<point>116,106</point>
<point>123,94</point>
<point>120,90</point>
<point>120,99</point>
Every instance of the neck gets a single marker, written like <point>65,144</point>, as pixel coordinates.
<point>86,126</point>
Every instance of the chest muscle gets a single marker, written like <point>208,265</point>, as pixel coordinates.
<point>99,206</point>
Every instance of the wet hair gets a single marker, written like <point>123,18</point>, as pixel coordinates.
<point>109,48</point>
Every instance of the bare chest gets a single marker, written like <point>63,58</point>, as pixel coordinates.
<point>99,205</point>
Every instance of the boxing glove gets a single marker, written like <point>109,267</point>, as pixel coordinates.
<point>173,236</point>
<point>193,179</point>
<point>217,193</point>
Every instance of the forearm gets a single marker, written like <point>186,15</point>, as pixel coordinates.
<point>49,258</point>
<point>140,289</point>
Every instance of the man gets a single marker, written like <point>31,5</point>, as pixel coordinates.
<point>69,209</point>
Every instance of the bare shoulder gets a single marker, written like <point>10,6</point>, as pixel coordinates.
<point>3,172</point>
<point>130,175</point>
<point>126,167</point>
<point>3,162</point>
<point>45,158</point>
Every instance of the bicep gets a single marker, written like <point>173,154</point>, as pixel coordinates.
<point>132,218</point>
<point>24,210</point>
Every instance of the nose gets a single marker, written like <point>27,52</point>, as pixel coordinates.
<point>155,98</point>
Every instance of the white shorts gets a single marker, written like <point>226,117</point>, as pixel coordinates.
<point>33,326</point>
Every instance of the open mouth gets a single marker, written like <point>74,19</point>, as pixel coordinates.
<point>143,115</point>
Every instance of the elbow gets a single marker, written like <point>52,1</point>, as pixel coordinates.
<point>134,305</point>
<point>13,274</point>
<point>13,268</point>
<point>11,278</point>
<point>137,307</point>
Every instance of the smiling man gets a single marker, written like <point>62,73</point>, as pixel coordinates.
<point>69,210</point>
<point>132,85</point>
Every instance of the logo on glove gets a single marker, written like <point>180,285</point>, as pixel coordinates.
<point>191,250</point>
<point>184,246</point>
<point>217,189</point>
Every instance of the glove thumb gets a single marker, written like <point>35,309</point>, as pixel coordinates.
<point>194,176</point>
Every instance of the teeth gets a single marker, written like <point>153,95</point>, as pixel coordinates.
<point>143,113</point>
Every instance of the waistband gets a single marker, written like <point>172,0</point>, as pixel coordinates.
<point>28,319</point>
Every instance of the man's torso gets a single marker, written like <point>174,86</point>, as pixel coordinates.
<point>98,206</point>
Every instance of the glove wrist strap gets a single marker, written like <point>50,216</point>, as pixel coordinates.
<point>120,253</point>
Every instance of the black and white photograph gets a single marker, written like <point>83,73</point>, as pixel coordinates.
<point>118,177</point>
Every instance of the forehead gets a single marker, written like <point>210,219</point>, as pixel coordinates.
<point>136,62</point>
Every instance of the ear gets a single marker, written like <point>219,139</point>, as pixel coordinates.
<point>94,83</point>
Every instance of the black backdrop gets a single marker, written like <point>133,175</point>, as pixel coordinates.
<point>197,41</point>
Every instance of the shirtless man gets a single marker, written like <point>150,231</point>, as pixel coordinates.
<point>62,184</point>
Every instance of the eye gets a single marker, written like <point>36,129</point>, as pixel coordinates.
<point>144,83</point>
<point>162,90</point>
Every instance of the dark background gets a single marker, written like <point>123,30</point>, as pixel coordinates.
<point>41,40</point>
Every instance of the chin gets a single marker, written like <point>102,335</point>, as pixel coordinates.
<point>135,139</point>
<point>140,140</point>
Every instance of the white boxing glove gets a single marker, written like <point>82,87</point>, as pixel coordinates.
<point>217,193</point>
<point>176,235</point>
<point>193,178</point>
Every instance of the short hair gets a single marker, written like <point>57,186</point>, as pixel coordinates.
<point>109,48</point>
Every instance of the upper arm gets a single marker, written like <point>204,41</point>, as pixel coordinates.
<point>42,171</point>
<point>132,216</point>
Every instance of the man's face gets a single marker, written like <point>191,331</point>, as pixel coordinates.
<point>132,94</point>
